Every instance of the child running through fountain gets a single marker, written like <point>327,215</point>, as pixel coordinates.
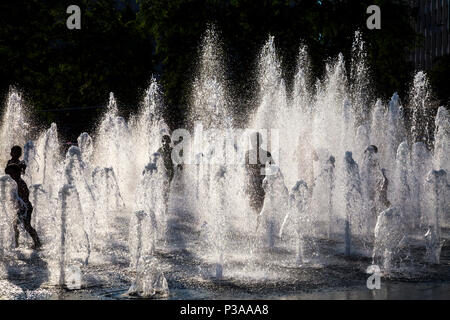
<point>25,207</point>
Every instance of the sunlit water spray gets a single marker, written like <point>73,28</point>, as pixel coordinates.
<point>326,186</point>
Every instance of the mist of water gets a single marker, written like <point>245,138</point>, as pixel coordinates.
<point>326,183</point>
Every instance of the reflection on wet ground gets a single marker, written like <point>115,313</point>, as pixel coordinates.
<point>190,275</point>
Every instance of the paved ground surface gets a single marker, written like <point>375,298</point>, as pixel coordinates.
<point>248,273</point>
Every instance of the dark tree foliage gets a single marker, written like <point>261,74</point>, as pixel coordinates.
<point>327,27</point>
<point>177,27</point>
<point>120,45</point>
<point>57,68</point>
<point>387,48</point>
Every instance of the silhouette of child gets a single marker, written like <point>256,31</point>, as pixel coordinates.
<point>25,207</point>
<point>16,153</point>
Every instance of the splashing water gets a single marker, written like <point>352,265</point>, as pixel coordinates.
<point>15,126</point>
<point>360,200</point>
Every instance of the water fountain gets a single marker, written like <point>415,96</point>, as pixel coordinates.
<point>441,140</point>
<point>401,184</point>
<point>419,102</point>
<point>104,203</point>
<point>324,192</point>
<point>437,192</point>
<point>8,194</point>
<point>390,233</point>
<point>421,164</point>
<point>371,179</point>
<point>352,201</point>
<point>297,218</point>
<point>15,126</point>
<point>275,205</point>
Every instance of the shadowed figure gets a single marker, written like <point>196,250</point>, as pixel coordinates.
<point>255,163</point>
<point>25,207</point>
<point>383,187</point>
<point>376,190</point>
<point>166,153</point>
<point>16,153</point>
<point>180,140</point>
<point>29,274</point>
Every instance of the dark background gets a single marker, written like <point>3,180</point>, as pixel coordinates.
<point>66,75</point>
